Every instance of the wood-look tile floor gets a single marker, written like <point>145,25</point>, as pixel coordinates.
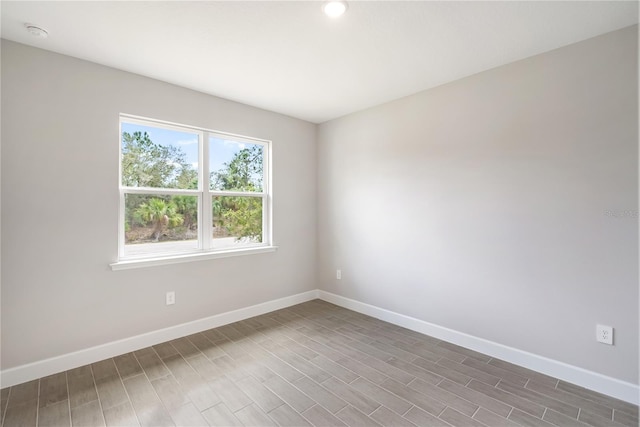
<point>311,364</point>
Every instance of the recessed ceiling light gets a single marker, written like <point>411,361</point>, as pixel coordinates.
<point>336,8</point>
<point>36,31</point>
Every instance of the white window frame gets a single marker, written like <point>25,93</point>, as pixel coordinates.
<point>203,193</point>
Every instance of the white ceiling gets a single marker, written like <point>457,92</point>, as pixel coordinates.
<point>290,58</point>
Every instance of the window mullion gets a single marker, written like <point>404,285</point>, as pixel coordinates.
<point>207,220</point>
<point>162,191</point>
<point>237,193</point>
<point>267,223</point>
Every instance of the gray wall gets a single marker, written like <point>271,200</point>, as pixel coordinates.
<point>482,205</point>
<point>60,209</point>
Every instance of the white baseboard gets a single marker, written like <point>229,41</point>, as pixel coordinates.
<point>31,371</point>
<point>597,382</point>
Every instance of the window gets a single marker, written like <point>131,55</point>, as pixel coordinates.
<point>185,190</point>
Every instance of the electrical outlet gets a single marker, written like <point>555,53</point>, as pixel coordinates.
<point>171,298</point>
<point>604,334</point>
<point>339,274</point>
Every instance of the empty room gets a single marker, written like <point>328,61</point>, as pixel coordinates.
<point>319,213</point>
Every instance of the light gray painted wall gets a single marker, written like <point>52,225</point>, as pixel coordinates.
<point>60,209</point>
<point>481,205</point>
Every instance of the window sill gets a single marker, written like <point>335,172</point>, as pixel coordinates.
<point>177,259</point>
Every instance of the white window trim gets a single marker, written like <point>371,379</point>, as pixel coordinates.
<point>128,264</point>
<point>204,194</point>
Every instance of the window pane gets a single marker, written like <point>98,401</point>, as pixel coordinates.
<point>235,166</point>
<point>160,224</point>
<point>237,221</point>
<point>158,158</point>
